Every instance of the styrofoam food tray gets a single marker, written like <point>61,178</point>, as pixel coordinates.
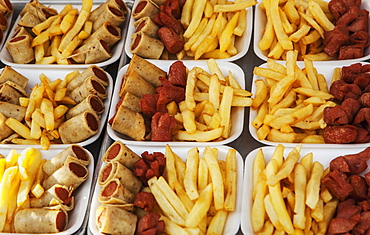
<point>6,31</point>
<point>327,71</point>
<point>241,43</point>
<point>116,50</point>
<point>237,113</point>
<point>324,156</point>
<point>259,27</point>
<point>81,195</point>
<point>52,74</point>
<point>233,219</point>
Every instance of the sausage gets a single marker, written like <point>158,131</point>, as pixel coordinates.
<point>100,72</point>
<point>145,200</point>
<point>170,22</point>
<point>140,6</point>
<point>140,26</point>
<point>162,125</point>
<point>106,172</point>
<point>61,221</point>
<point>63,194</point>
<point>151,164</point>
<point>80,153</point>
<point>3,22</point>
<point>171,40</point>
<point>177,74</point>
<point>77,169</point>
<point>150,224</point>
<point>136,42</point>
<point>92,121</point>
<point>109,189</point>
<point>97,104</point>
<point>360,187</point>
<point>113,151</point>
<point>340,134</point>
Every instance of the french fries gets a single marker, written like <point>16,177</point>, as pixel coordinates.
<point>290,106</point>
<point>202,211</point>
<point>295,25</point>
<point>206,113</point>
<point>208,31</point>
<point>17,182</point>
<point>295,204</point>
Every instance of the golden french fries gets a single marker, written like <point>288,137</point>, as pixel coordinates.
<point>295,25</point>
<point>290,101</point>
<point>206,113</point>
<point>204,213</point>
<point>208,31</point>
<point>297,203</point>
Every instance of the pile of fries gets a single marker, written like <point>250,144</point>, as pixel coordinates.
<point>205,115</point>
<point>60,35</point>
<point>290,102</point>
<point>287,191</point>
<point>22,174</point>
<point>211,27</point>
<point>45,111</point>
<point>298,25</point>
<point>196,196</point>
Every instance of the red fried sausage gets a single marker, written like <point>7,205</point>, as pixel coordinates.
<point>170,39</point>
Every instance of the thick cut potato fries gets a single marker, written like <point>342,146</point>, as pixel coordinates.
<point>291,107</point>
<point>201,215</point>
<point>206,113</point>
<point>295,204</point>
<point>209,33</point>
<point>298,25</point>
<point>21,172</point>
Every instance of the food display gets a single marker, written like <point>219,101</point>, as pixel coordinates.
<point>297,189</point>
<point>37,201</point>
<point>89,35</point>
<point>56,111</point>
<point>166,160</point>
<point>200,108</point>
<point>318,30</point>
<point>338,118</point>
<point>179,30</point>
<point>171,194</point>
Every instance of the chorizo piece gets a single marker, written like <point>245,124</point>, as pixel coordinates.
<point>150,224</point>
<point>170,39</point>
<point>145,201</point>
<point>162,125</point>
<point>340,134</point>
<point>177,74</point>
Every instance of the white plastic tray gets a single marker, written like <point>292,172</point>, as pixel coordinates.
<point>327,71</point>
<point>82,193</point>
<point>233,220</point>
<point>259,27</point>
<point>52,74</point>
<point>116,50</point>
<point>237,113</point>
<point>324,156</point>
<point>241,43</point>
